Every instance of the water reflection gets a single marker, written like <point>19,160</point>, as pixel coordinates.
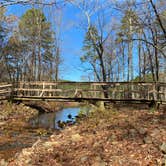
<point>46,120</point>
<point>52,120</point>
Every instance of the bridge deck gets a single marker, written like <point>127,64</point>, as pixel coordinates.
<point>79,91</point>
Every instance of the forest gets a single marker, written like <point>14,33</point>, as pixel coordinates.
<point>122,41</point>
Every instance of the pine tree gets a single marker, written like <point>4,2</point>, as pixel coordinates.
<point>127,30</point>
<point>4,71</point>
<point>90,55</point>
<point>36,34</point>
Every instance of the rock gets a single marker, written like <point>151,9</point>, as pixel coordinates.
<point>114,142</point>
<point>98,158</point>
<point>96,144</point>
<point>113,137</point>
<point>155,120</point>
<point>50,144</point>
<point>133,132</point>
<point>99,162</point>
<point>147,140</point>
<point>84,159</point>
<point>26,152</point>
<point>163,147</point>
<point>76,137</point>
<point>142,130</point>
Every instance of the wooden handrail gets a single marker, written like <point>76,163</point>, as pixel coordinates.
<point>89,90</point>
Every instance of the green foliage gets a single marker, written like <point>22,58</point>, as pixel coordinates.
<point>3,39</point>
<point>91,39</point>
<point>152,109</point>
<point>30,23</point>
<point>28,48</point>
<point>129,20</point>
<point>37,37</point>
<point>84,111</point>
<point>147,78</point>
<point>35,29</point>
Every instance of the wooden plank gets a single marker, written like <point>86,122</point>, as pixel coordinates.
<point>58,90</point>
<point>90,83</point>
<point>4,98</point>
<point>4,83</point>
<point>37,90</point>
<point>117,88</point>
<point>76,98</point>
<point>4,92</point>
<point>5,86</point>
<point>81,90</point>
<point>39,97</point>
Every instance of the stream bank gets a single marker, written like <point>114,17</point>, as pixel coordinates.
<point>127,137</point>
<point>14,128</point>
<point>21,125</point>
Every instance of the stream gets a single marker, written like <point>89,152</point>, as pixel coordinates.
<point>56,120</point>
<point>19,135</point>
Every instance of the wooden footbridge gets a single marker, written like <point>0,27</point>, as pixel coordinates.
<point>80,91</point>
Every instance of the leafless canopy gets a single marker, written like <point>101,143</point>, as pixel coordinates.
<point>25,2</point>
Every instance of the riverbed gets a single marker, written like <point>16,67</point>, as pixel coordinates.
<point>16,133</point>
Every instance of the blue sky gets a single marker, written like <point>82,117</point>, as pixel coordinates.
<point>71,40</point>
<point>72,36</point>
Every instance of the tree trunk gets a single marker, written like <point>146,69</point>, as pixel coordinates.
<point>150,58</point>
<point>57,63</point>
<point>139,59</point>
<point>158,18</point>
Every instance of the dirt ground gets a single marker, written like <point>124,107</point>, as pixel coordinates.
<point>126,136</point>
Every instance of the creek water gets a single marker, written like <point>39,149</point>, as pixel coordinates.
<point>54,119</point>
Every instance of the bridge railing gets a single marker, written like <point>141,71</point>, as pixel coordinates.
<point>92,90</point>
<point>5,90</point>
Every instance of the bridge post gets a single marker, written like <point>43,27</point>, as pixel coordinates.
<point>12,90</point>
<point>155,92</point>
<point>41,94</point>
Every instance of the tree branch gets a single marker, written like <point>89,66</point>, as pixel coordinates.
<point>145,41</point>
<point>4,3</point>
<point>158,17</point>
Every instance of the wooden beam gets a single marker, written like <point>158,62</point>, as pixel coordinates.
<point>5,86</point>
